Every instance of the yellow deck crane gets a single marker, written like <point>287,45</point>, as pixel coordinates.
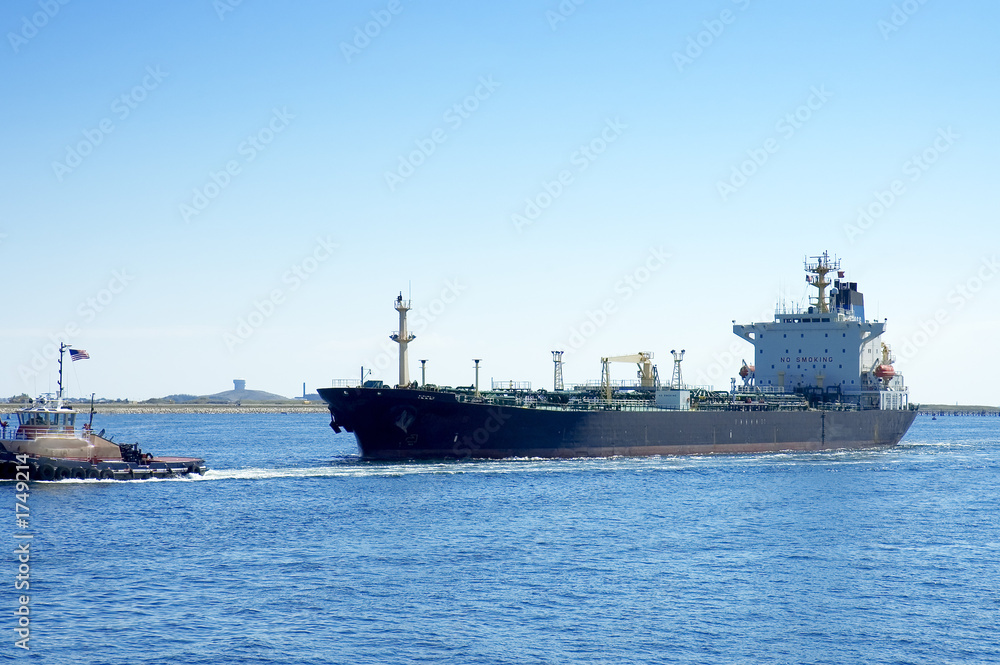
<point>647,370</point>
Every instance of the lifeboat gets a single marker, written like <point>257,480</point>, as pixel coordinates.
<point>885,373</point>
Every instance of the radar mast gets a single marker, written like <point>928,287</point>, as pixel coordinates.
<point>817,270</point>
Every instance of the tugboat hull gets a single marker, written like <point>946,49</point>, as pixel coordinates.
<point>41,467</point>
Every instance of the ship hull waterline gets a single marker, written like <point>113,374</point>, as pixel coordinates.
<point>404,424</point>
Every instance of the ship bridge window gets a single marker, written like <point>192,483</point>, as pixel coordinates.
<point>826,319</point>
<point>39,419</point>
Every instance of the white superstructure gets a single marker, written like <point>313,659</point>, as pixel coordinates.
<point>828,350</point>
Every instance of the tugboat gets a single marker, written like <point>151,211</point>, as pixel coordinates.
<point>47,441</point>
<point>821,379</point>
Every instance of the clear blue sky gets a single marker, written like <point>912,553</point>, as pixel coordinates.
<point>172,169</point>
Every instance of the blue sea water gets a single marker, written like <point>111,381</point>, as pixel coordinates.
<point>292,550</point>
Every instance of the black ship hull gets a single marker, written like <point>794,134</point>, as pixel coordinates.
<point>400,424</point>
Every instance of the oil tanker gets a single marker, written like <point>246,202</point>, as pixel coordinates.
<point>821,379</point>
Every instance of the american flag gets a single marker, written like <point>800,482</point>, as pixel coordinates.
<point>78,354</point>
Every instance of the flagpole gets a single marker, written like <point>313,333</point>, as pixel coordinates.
<point>62,347</point>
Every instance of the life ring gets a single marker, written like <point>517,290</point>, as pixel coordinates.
<point>92,473</point>
<point>47,472</point>
<point>62,473</point>
<point>78,473</point>
<point>107,474</point>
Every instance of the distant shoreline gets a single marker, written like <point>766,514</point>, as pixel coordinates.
<point>319,407</point>
<point>134,407</point>
<point>959,409</point>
